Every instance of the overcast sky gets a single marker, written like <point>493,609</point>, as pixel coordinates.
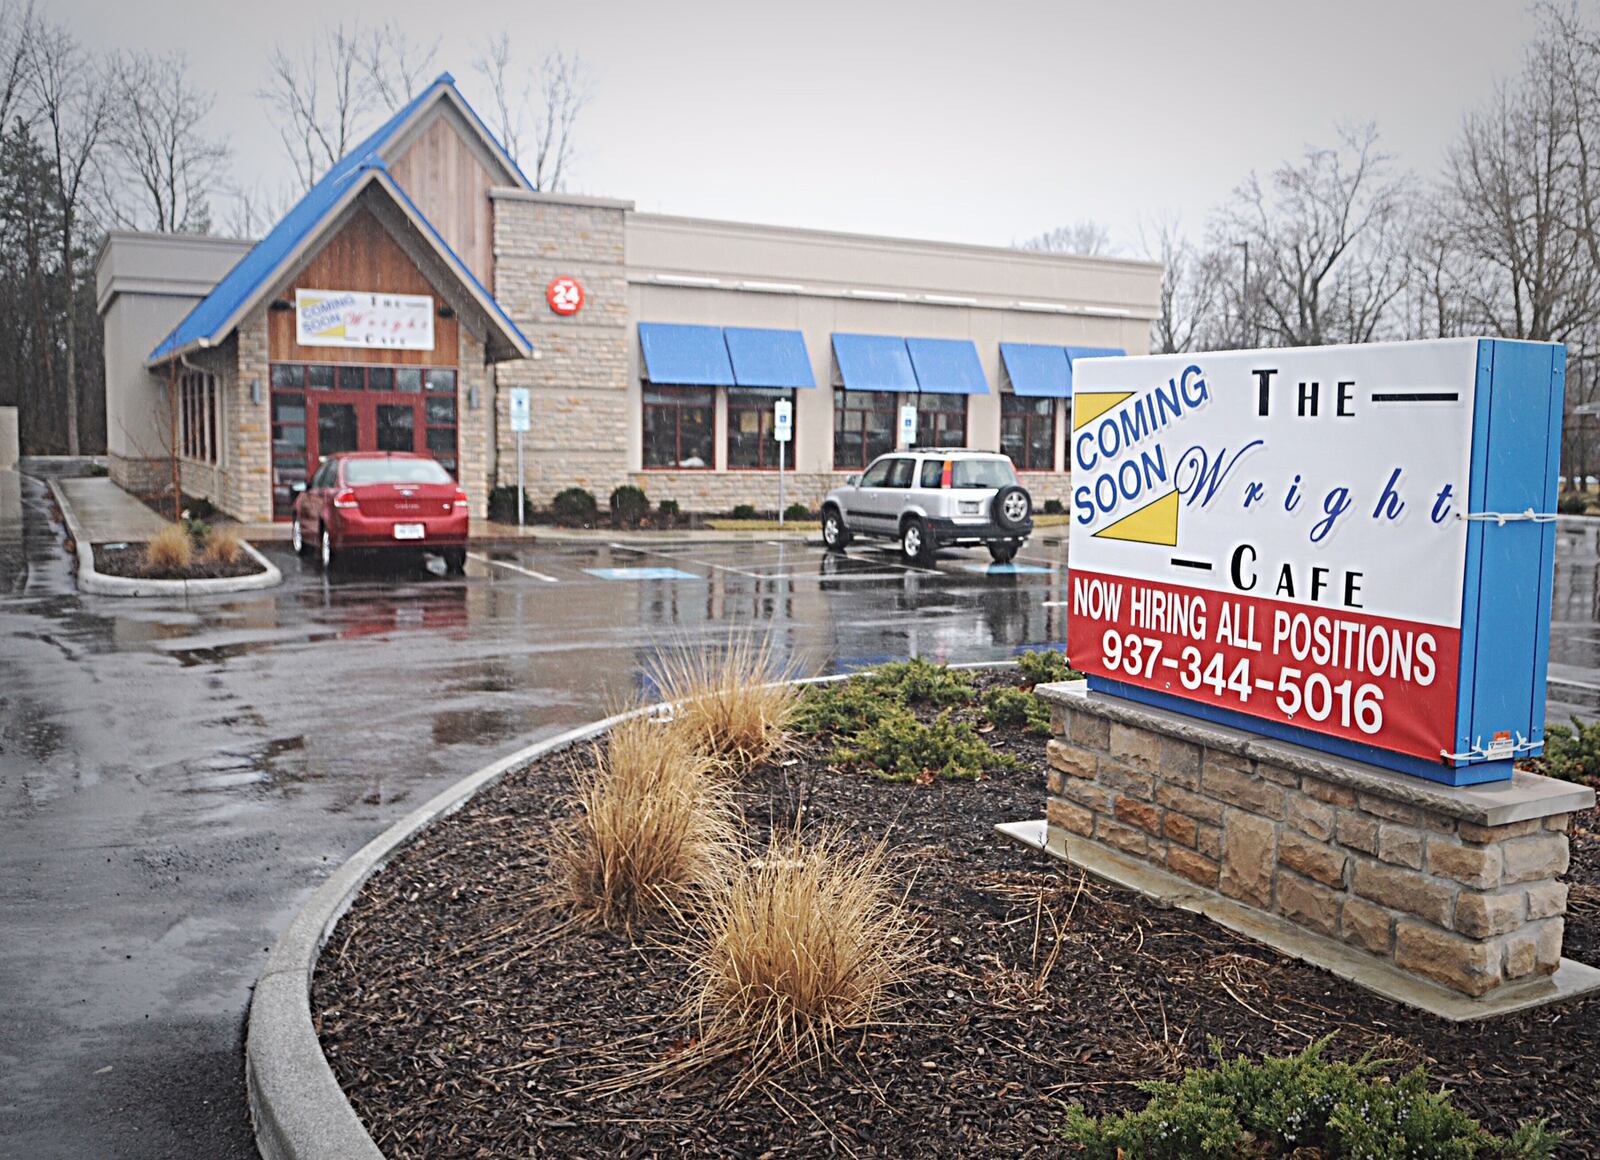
<point>976,121</point>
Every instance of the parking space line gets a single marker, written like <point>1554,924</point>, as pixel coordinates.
<point>513,567</point>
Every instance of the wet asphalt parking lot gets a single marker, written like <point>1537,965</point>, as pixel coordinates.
<point>176,779</point>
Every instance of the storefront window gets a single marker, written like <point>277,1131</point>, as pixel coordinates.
<point>941,420</point>
<point>1028,432</point>
<point>750,426</point>
<point>863,427</point>
<point>679,426</point>
<point>197,416</point>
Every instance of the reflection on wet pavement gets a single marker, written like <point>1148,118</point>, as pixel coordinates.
<point>176,779</point>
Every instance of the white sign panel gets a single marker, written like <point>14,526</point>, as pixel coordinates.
<point>908,425</point>
<point>521,409</point>
<point>1278,533</point>
<point>358,319</point>
<point>783,420</point>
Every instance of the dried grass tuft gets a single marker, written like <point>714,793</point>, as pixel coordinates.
<point>653,832</point>
<point>809,942</point>
<point>731,704</point>
<point>169,550</point>
<point>223,546</point>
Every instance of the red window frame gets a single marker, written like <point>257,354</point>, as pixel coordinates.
<point>1021,453</point>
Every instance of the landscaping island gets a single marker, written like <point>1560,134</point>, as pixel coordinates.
<point>470,1005</point>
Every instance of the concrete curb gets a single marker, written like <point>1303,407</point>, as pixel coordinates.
<point>100,584</point>
<point>296,1104</point>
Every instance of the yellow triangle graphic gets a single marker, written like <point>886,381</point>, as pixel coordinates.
<point>1155,523</point>
<point>1088,407</point>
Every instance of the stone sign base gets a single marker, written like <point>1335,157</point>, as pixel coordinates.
<point>1444,898</point>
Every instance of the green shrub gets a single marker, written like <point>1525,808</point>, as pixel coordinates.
<point>898,747</point>
<point>841,708</point>
<point>629,506</point>
<point>1014,707</point>
<point>1301,1105</point>
<point>920,682</point>
<point>574,508</point>
<point>503,504</point>
<point>1042,666</point>
<point>668,509</point>
<point>1572,503</point>
<point>744,511</point>
<point>797,511</point>
<point>98,471</point>
<point>197,528</point>
<point>1573,754</point>
<point>1052,507</point>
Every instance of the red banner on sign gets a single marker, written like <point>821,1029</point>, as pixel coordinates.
<point>1369,679</point>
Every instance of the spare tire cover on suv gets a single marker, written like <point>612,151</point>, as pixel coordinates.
<point>1011,507</point>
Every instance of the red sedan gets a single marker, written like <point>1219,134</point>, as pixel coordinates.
<point>376,499</point>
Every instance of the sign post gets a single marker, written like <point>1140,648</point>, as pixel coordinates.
<point>782,431</point>
<point>1349,548</point>
<point>521,416</point>
<point>908,425</point>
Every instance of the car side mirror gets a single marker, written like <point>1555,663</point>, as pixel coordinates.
<point>852,481</point>
<point>297,488</point>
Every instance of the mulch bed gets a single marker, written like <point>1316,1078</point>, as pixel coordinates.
<point>128,560</point>
<point>459,1027</point>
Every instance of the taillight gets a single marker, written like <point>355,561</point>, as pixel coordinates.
<point>949,470</point>
<point>344,499</point>
<point>461,498</point>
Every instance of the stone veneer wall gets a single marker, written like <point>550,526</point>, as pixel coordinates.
<point>579,383</point>
<point>474,428</point>
<point>1392,865</point>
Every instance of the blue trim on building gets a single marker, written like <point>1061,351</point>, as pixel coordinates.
<point>1037,370</point>
<point>947,366</point>
<point>679,355</point>
<point>874,362</point>
<point>768,358</point>
<point>1074,353</point>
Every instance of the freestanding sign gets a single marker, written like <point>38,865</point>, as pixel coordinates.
<point>782,431</point>
<point>908,425</point>
<point>521,406</point>
<point>1346,547</point>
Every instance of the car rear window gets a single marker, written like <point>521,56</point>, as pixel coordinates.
<point>360,471</point>
<point>976,473</point>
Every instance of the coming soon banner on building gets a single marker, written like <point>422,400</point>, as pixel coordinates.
<point>354,319</point>
<point>1340,546</point>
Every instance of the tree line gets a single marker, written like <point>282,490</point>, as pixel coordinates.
<point>1342,245</point>
<point>122,140</point>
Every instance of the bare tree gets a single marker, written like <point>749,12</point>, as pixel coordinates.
<point>563,90</point>
<point>72,101</point>
<point>1086,237</point>
<point>396,69</point>
<point>17,26</point>
<point>1191,283</point>
<point>161,169</point>
<point>1326,242</point>
<point>320,99</point>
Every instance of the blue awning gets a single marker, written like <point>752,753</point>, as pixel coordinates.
<point>1037,370</point>
<point>873,362</point>
<point>947,366</point>
<point>768,358</point>
<point>1074,353</point>
<point>675,354</point>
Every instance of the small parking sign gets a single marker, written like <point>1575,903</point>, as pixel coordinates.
<point>908,425</point>
<point>783,420</point>
<point>521,409</point>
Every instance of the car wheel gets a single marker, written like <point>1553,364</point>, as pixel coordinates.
<point>297,537</point>
<point>916,542</point>
<point>325,553</point>
<point>834,534</point>
<point>455,560</point>
<point>1011,507</point>
<point>1002,553</point>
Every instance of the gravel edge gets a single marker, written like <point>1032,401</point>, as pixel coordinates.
<point>100,584</point>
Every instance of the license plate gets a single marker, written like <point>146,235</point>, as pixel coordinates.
<point>408,531</point>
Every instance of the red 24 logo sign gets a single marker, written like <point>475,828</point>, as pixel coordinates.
<point>564,295</point>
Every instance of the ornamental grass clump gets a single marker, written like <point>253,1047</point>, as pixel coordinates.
<point>169,550</point>
<point>653,833</point>
<point>808,942</point>
<point>223,546</point>
<point>1300,1106</point>
<point>731,705</point>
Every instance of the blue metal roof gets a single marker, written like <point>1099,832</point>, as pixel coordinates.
<point>1074,353</point>
<point>873,362</point>
<point>675,354</point>
<point>1037,370</point>
<point>768,358</point>
<point>947,366</point>
<point>212,317</point>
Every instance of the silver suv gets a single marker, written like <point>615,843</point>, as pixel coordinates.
<point>930,498</point>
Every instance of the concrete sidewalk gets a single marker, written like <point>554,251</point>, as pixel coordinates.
<point>108,515</point>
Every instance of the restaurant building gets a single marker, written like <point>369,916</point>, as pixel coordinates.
<point>399,303</point>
